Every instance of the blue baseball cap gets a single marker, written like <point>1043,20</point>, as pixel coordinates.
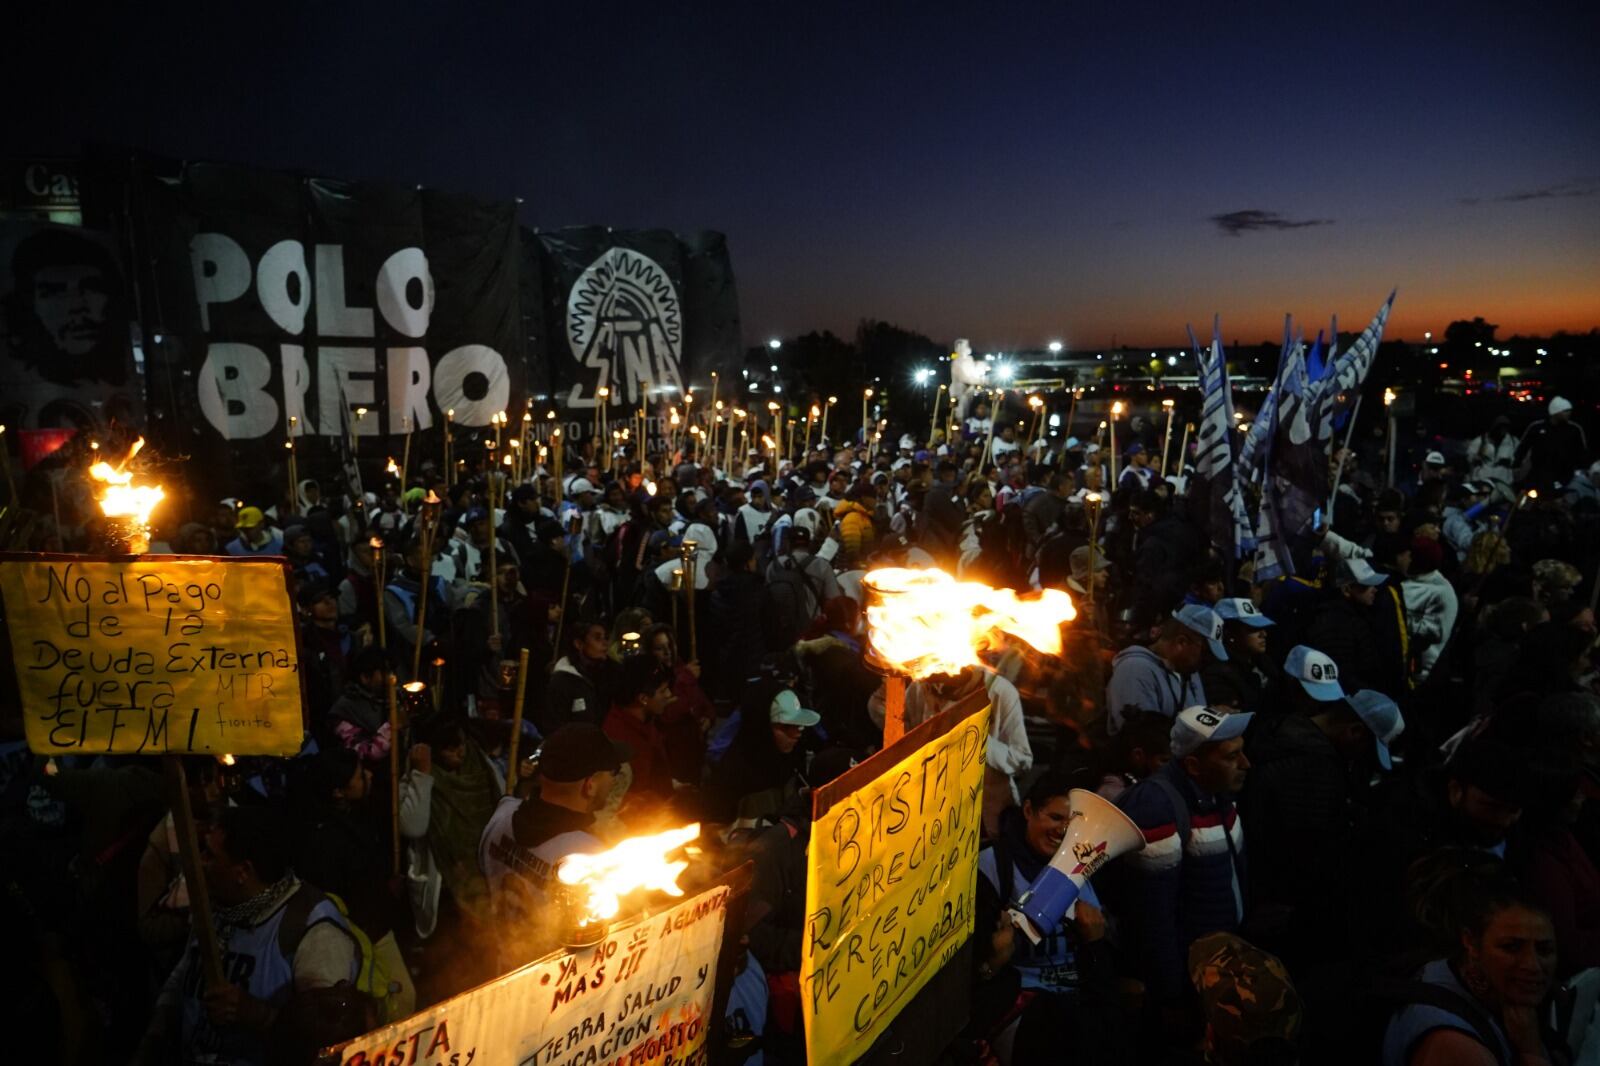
<point>1382,716</point>
<point>1316,673</point>
<point>1195,726</point>
<point>1239,609</point>
<point>1204,620</point>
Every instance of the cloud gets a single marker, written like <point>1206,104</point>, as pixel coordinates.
<point>1238,223</point>
<point>1566,190</point>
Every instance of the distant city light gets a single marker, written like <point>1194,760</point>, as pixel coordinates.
<point>1055,347</point>
<point>1172,360</point>
<point>774,344</point>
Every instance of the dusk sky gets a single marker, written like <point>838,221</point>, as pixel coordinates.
<point>1009,174</point>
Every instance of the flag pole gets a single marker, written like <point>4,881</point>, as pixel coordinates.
<point>1338,475</point>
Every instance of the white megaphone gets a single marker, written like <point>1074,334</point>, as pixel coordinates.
<point>1097,833</point>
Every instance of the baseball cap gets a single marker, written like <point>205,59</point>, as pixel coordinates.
<point>907,443</point>
<point>523,493</point>
<point>1559,404</point>
<point>1382,716</point>
<point>1197,725</point>
<point>576,751</point>
<point>475,514</point>
<point>786,710</point>
<point>579,485</point>
<point>249,518</point>
<point>1434,459</point>
<point>1355,571</point>
<point>1239,609</point>
<point>1316,673</point>
<point>758,486</point>
<point>1133,449</point>
<point>1204,620</point>
<point>1245,994</point>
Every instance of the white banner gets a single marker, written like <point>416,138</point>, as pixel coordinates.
<point>641,997</point>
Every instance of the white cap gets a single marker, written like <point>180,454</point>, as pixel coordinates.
<point>1559,404</point>
<point>1434,459</point>
<point>579,485</point>
<point>1195,726</point>
<point>907,443</point>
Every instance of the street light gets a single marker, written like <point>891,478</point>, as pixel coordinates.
<point>1005,372</point>
<point>1055,347</point>
<point>774,344</point>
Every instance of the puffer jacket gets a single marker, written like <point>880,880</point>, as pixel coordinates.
<point>856,534</point>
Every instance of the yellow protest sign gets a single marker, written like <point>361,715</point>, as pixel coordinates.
<point>892,881</point>
<point>154,655</point>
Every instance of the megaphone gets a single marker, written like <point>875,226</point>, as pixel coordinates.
<point>1097,833</point>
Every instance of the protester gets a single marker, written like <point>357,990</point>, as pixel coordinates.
<point>1246,680</point>
<point>1189,879</point>
<point>1414,676</point>
<point>1490,989</point>
<point>1165,677</point>
<point>290,940</point>
<point>1066,978</point>
<point>525,839</point>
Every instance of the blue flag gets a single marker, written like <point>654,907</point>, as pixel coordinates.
<point>1296,479</point>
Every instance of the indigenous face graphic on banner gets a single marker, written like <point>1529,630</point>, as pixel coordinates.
<point>625,323</point>
<point>64,352</point>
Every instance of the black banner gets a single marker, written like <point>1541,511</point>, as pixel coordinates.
<point>280,298</point>
<point>710,307</point>
<point>642,313</point>
<point>64,352</point>
<point>614,314</point>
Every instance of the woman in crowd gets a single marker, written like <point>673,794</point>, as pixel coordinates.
<point>1482,1002</point>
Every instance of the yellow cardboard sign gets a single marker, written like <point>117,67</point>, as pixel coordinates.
<point>890,889</point>
<point>154,655</point>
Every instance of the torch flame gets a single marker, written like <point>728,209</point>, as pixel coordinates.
<point>393,468</point>
<point>636,863</point>
<point>121,498</point>
<point>925,622</point>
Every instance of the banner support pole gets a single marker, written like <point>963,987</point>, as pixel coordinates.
<point>193,874</point>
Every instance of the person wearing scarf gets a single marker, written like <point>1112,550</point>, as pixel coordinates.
<point>280,937</point>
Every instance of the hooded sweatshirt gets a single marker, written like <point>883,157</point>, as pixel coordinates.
<point>1142,681</point>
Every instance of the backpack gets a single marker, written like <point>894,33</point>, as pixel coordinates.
<point>372,978</point>
<point>791,601</point>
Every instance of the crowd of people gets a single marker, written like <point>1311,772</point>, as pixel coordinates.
<point>1361,788</point>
